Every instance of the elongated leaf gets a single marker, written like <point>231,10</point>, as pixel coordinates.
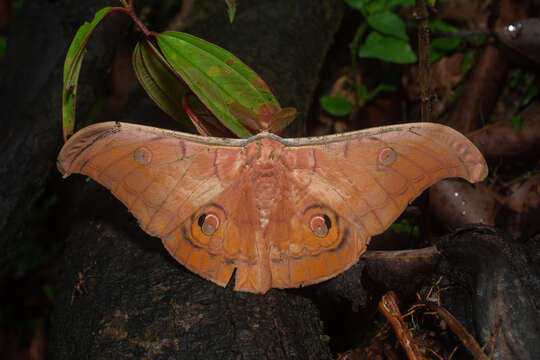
<point>160,81</point>
<point>205,122</point>
<point>375,6</point>
<point>282,119</point>
<point>439,25</point>
<point>442,46</point>
<point>231,9</point>
<point>72,69</point>
<point>221,81</point>
<point>387,49</point>
<point>388,23</point>
<point>335,105</point>
<point>391,4</point>
<point>358,5</point>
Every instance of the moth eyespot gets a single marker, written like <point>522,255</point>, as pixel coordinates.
<point>143,155</point>
<point>387,156</point>
<point>320,225</point>
<point>209,223</point>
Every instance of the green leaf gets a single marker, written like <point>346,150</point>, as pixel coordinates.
<point>516,122</point>
<point>387,49</point>
<point>445,44</point>
<point>442,46</point>
<point>160,81</point>
<point>467,61</point>
<point>434,56</point>
<point>515,77</point>
<point>439,25</point>
<point>282,119</point>
<point>205,122</point>
<point>388,23</point>
<point>458,91</point>
<point>404,226</point>
<point>391,4</point>
<point>231,9</point>
<point>532,92</point>
<point>221,81</point>
<point>335,105</point>
<point>72,69</point>
<point>381,88</point>
<point>362,93</point>
<point>375,6</point>
<point>358,5</point>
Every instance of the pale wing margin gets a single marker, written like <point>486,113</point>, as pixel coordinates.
<point>163,178</point>
<point>87,136</point>
<point>477,166</point>
<point>351,179</point>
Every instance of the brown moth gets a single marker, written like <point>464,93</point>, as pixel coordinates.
<point>283,212</point>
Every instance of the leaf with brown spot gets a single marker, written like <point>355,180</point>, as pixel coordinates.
<point>221,81</point>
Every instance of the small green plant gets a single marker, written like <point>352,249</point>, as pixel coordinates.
<point>387,41</point>
<point>339,106</point>
<point>522,82</point>
<point>442,46</point>
<point>188,78</point>
<point>405,226</point>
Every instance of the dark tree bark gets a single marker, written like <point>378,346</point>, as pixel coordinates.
<point>30,91</point>
<point>133,300</point>
<point>492,286</point>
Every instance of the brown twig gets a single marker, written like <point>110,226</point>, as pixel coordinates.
<point>424,255</point>
<point>424,78</point>
<point>468,341</point>
<point>501,139</point>
<point>491,341</point>
<point>388,306</point>
<point>434,353</point>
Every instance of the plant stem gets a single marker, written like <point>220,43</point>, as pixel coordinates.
<point>130,11</point>
<point>424,78</point>
<point>353,46</point>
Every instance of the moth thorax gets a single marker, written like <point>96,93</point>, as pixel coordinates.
<point>266,186</point>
